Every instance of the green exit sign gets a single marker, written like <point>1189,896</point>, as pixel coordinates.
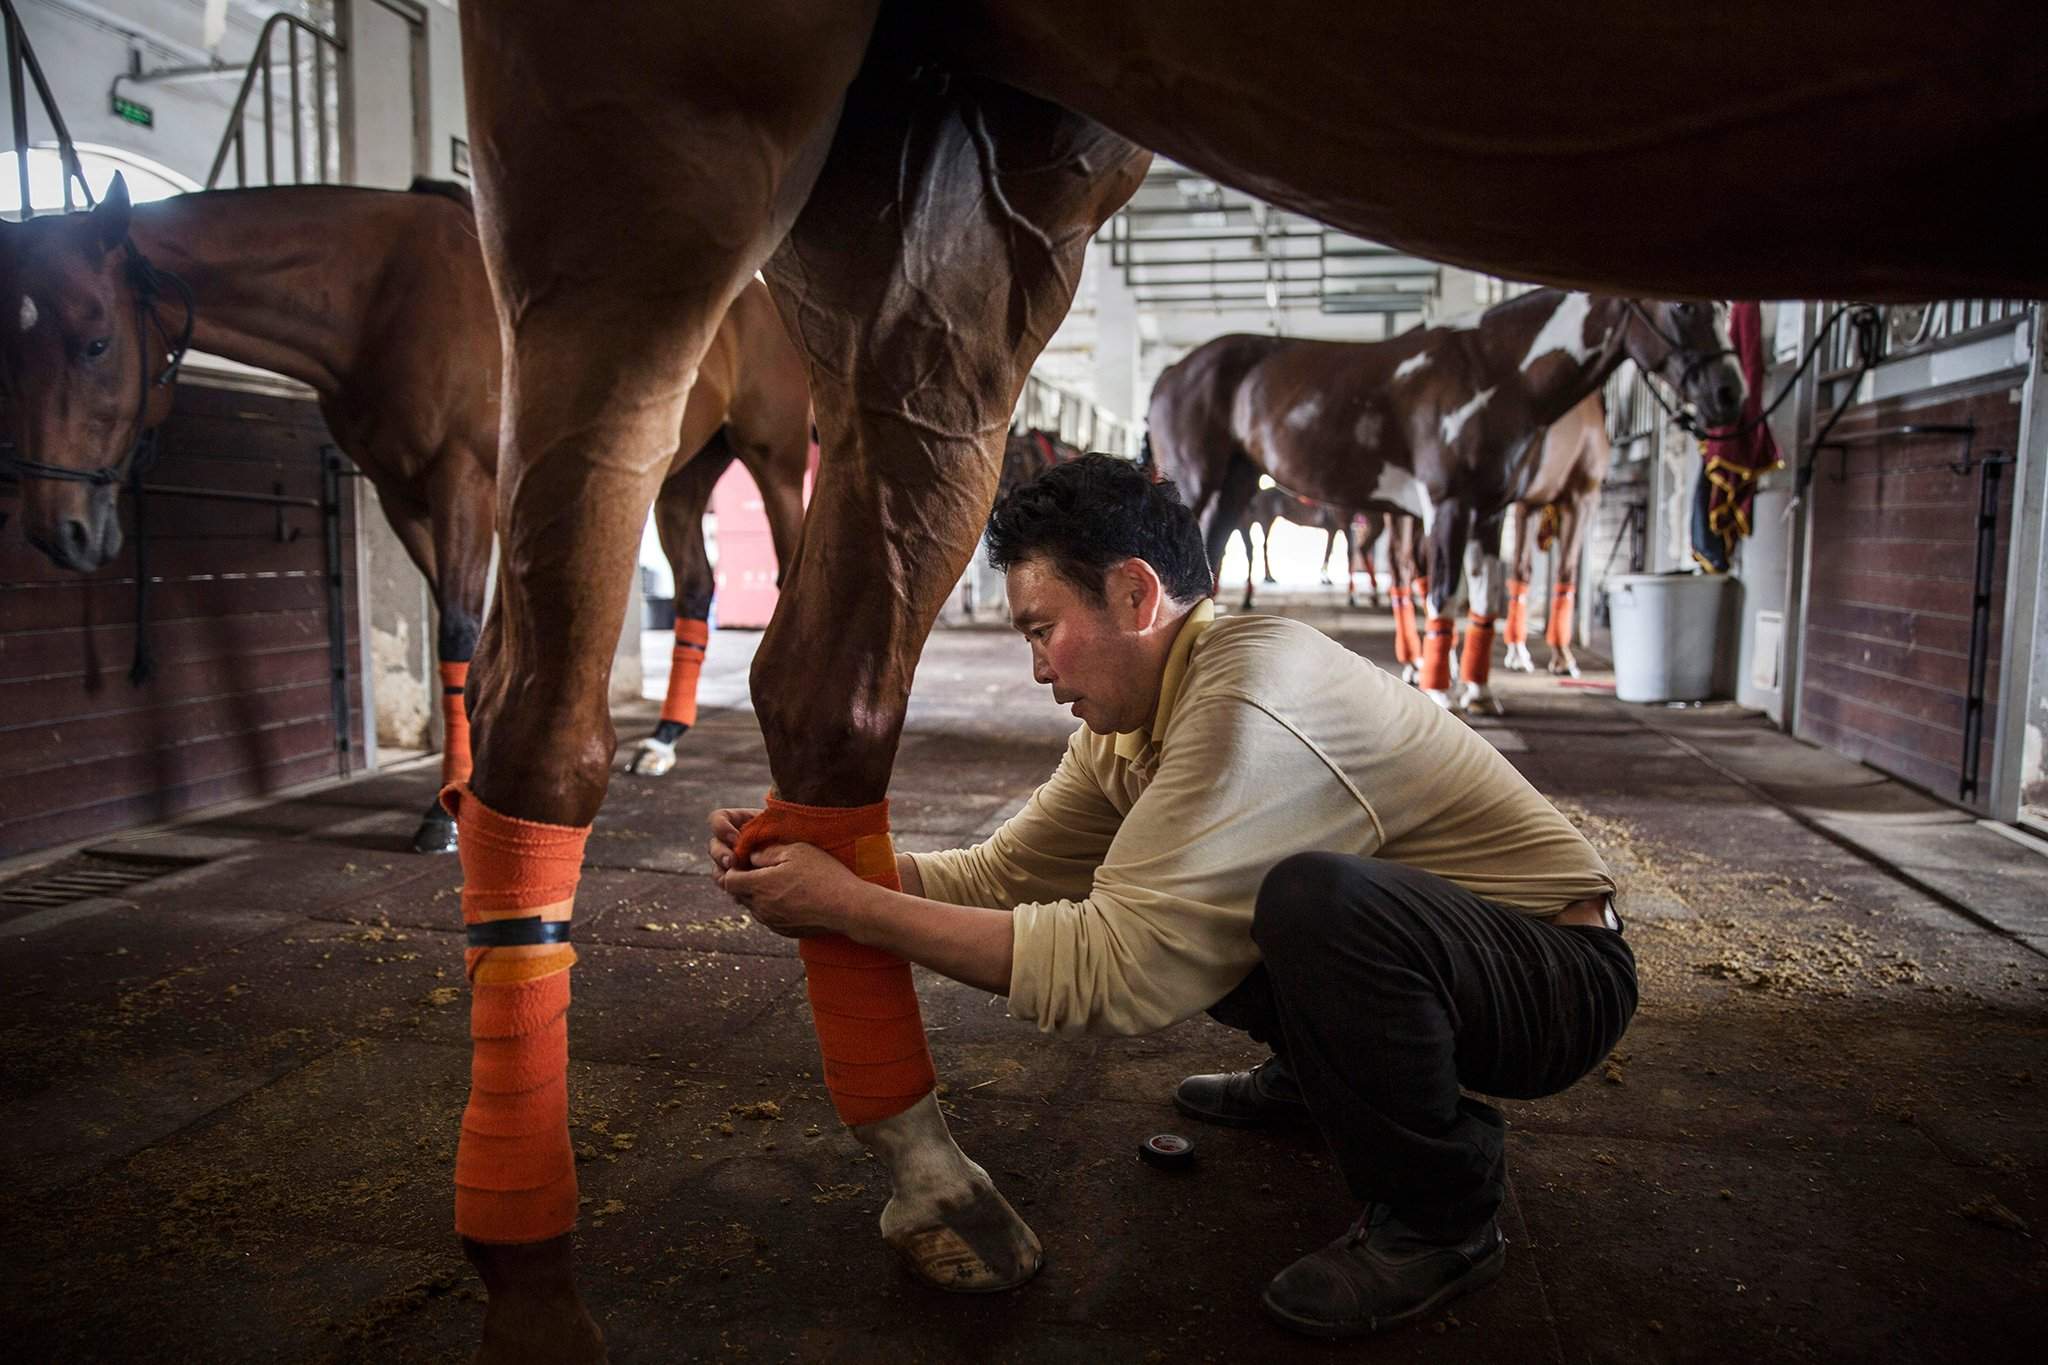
<point>140,114</point>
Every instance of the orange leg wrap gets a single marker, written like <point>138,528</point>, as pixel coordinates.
<point>515,1173</point>
<point>455,761</point>
<point>870,1033</point>
<point>1407,643</point>
<point>685,666</point>
<point>1517,631</point>
<point>1436,656</point>
<point>1477,661</point>
<point>1557,631</point>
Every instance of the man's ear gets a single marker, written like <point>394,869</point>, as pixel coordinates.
<point>1135,585</point>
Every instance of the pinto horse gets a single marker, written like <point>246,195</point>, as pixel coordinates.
<point>377,301</point>
<point>922,221</point>
<point>1560,495</point>
<point>1270,505</point>
<point>1436,422</point>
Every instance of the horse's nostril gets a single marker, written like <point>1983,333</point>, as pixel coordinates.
<point>76,536</point>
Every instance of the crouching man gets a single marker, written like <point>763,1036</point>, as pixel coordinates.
<point>1254,821</point>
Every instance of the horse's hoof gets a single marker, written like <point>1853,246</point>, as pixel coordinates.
<point>1408,672</point>
<point>436,833</point>
<point>1478,699</point>
<point>945,1215</point>
<point>1518,659</point>
<point>979,1246</point>
<point>533,1313</point>
<point>652,758</point>
<point>1564,668</point>
<point>1442,699</point>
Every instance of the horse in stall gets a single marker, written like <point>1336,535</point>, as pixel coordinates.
<point>1436,422</point>
<point>377,301</point>
<point>922,221</point>
<point>1561,494</point>
<point>1026,455</point>
<point>1270,505</point>
<point>1561,491</point>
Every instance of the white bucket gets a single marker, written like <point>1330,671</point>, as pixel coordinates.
<point>1666,634</point>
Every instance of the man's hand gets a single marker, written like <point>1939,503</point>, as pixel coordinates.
<point>795,889</point>
<point>725,832</point>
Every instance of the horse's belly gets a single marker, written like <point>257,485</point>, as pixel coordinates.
<point>1610,144</point>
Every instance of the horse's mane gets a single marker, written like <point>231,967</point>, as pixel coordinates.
<point>447,189</point>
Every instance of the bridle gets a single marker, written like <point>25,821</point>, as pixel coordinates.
<point>1675,346</point>
<point>1867,321</point>
<point>148,283</point>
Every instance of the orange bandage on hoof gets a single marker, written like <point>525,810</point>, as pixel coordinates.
<point>1477,661</point>
<point>1435,675</point>
<point>1407,640</point>
<point>1517,630</point>
<point>686,665</point>
<point>515,1172</point>
<point>455,762</point>
<point>1557,631</point>
<point>870,1033</point>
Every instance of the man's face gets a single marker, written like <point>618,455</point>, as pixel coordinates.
<point>1089,653</point>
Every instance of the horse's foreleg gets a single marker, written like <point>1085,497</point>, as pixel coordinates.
<point>1574,514</point>
<point>1445,560</point>
<point>459,518</point>
<point>1232,498</point>
<point>607,317</point>
<point>919,337</point>
<point>679,521</point>
<point>1244,533</point>
<point>1521,556</point>
<point>1486,591</point>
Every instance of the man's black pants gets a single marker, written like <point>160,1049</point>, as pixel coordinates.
<point>1387,990</point>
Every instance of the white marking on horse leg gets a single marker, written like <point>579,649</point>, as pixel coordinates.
<point>1454,422</point>
<point>1565,330</point>
<point>1397,487</point>
<point>653,758</point>
<point>1413,363</point>
<point>934,1185</point>
<point>28,312</point>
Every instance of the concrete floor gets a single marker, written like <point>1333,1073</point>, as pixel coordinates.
<point>232,1093</point>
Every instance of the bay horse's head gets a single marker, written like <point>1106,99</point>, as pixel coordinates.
<point>1687,345</point>
<point>86,365</point>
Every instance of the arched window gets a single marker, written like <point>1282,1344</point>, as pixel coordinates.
<point>147,179</point>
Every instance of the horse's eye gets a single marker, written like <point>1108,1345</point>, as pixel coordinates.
<point>97,347</point>
<point>1686,310</point>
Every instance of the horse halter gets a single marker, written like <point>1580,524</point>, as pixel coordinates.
<point>1676,346</point>
<point>148,283</point>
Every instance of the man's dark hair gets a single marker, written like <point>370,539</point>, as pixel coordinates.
<point>1095,511</point>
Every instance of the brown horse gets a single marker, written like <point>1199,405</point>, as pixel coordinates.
<point>1270,505</point>
<point>1436,422</point>
<point>378,302</point>
<point>1026,455</point>
<point>1561,495</point>
<point>923,224</point>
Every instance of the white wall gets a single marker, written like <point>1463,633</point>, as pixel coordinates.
<point>83,46</point>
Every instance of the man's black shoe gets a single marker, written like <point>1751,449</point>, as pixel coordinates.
<point>1260,1098</point>
<point>1381,1273</point>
